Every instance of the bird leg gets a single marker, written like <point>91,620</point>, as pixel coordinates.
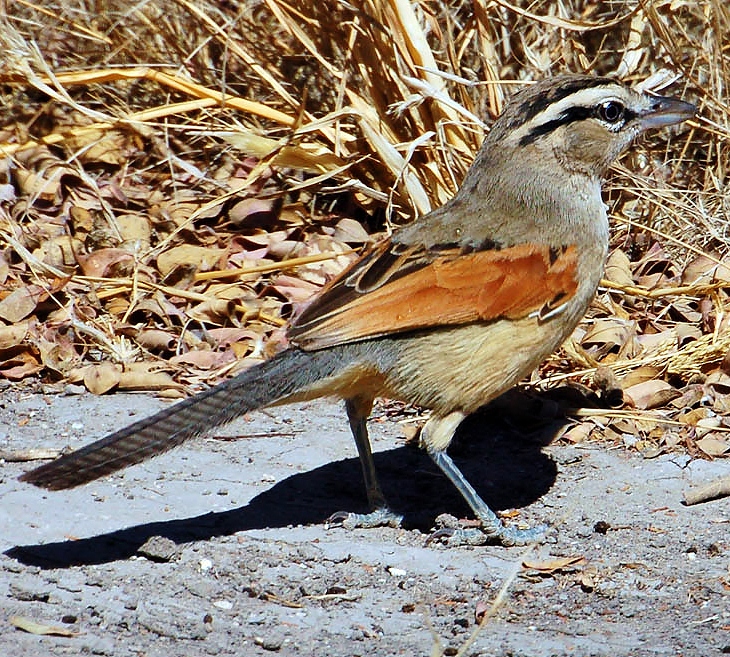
<point>358,410</point>
<point>436,435</point>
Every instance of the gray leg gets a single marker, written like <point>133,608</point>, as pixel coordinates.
<point>436,436</point>
<point>358,411</point>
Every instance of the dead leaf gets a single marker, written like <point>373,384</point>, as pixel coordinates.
<point>21,302</point>
<point>639,375</point>
<point>618,268</point>
<point>146,380</point>
<point>19,365</point>
<point>33,627</point>
<point>607,334</point>
<point>13,335</point>
<point>578,433</point>
<point>206,360</point>
<point>714,444</point>
<point>102,262</point>
<point>650,394</point>
<point>202,258</point>
<point>703,270</point>
<point>351,231</point>
<point>555,564</point>
<point>255,212</point>
<point>156,339</point>
<point>102,377</point>
<point>136,232</point>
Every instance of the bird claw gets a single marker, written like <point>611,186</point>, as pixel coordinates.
<point>501,535</point>
<point>381,517</point>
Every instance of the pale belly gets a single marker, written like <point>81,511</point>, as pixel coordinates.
<point>462,368</point>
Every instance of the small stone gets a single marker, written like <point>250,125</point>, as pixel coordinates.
<point>159,549</point>
<point>267,643</point>
<point>28,594</point>
<point>601,527</point>
<point>397,572</point>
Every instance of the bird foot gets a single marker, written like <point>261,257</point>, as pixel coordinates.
<point>380,517</point>
<point>452,534</point>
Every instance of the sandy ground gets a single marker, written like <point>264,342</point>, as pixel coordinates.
<point>241,561</point>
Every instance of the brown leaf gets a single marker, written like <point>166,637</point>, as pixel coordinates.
<point>650,394</point>
<point>21,302</point>
<point>618,268</point>
<point>33,627</point>
<point>205,360</point>
<point>101,262</point>
<point>12,336</point>
<point>156,339</point>
<point>102,377</point>
<point>99,146</point>
<point>351,231</point>
<point>255,212</point>
<point>703,270</point>
<point>639,375</point>
<point>145,380</point>
<point>714,444</point>
<point>294,289</point>
<point>578,433</point>
<point>607,334</point>
<point>136,231</point>
<point>202,258</point>
<point>555,564</point>
<point>19,365</point>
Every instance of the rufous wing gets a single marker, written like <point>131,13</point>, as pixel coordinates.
<point>417,289</point>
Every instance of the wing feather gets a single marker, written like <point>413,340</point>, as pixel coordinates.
<point>391,290</point>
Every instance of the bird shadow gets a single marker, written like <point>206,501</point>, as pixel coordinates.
<point>502,460</point>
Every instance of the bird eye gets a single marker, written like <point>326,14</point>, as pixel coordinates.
<point>611,111</point>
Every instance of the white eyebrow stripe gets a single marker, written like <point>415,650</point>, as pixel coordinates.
<point>581,98</point>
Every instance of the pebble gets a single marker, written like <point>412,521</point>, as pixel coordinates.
<point>159,548</point>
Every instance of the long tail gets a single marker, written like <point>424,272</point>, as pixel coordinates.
<point>284,375</point>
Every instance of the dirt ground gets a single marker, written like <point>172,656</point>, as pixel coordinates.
<point>244,564</point>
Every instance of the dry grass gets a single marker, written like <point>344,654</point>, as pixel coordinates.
<point>130,131</point>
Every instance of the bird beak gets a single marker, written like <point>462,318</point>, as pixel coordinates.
<point>666,111</point>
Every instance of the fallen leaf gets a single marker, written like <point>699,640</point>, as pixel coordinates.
<point>618,268</point>
<point>19,365</point>
<point>12,336</point>
<point>102,262</point>
<point>102,377</point>
<point>650,394</point>
<point>713,444</point>
<point>33,627</point>
<point>578,433</point>
<point>20,303</point>
<point>555,564</point>
<point>351,231</point>
<point>202,258</point>
<point>135,380</point>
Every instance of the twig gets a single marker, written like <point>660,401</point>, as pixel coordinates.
<point>717,488</point>
<point>20,455</point>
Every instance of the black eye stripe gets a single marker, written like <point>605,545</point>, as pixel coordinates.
<point>533,106</point>
<point>571,115</point>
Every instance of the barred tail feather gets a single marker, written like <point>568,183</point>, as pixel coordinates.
<point>262,385</point>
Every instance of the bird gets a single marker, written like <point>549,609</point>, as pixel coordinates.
<point>447,312</point>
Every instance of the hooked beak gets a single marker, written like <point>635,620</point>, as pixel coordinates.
<point>666,111</point>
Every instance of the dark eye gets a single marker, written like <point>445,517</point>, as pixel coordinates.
<point>611,111</point>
